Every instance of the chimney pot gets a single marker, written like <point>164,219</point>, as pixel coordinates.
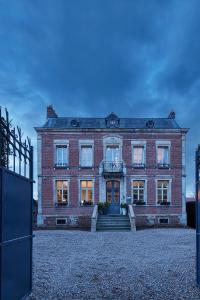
<point>51,112</point>
<point>172,115</point>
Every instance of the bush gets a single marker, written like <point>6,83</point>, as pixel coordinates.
<point>103,206</point>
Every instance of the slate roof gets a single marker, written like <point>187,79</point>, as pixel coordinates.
<point>103,123</point>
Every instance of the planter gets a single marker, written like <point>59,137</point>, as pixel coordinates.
<point>124,211</point>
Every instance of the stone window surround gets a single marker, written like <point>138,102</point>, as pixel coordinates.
<point>164,178</point>
<point>141,143</point>
<point>139,178</point>
<point>166,143</point>
<point>85,178</point>
<point>62,178</point>
<point>112,140</point>
<point>86,143</point>
<point>61,142</point>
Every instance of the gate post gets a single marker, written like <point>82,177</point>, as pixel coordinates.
<point>198,216</point>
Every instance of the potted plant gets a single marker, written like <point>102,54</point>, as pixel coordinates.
<point>164,203</point>
<point>138,202</point>
<point>103,207</point>
<point>124,208</point>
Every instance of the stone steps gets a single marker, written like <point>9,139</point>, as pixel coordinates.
<point>113,223</point>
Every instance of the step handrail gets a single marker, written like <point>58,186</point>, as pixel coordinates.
<point>131,217</point>
<point>94,219</point>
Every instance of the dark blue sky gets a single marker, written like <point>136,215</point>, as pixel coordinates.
<point>88,58</point>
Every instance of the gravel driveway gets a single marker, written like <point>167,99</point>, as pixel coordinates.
<point>150,264</point>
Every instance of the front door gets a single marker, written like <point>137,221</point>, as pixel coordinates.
<point>113,196</point>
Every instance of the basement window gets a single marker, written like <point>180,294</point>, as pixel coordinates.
<point>61,221</point>
<point>163,220</point>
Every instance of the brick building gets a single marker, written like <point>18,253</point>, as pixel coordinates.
<point>85,160</point>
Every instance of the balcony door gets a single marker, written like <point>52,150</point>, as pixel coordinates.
<point>112,153</point>
<point>113,196</point>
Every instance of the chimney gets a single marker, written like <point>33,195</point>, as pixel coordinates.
<point>172,115</point>
<point>51,112</point>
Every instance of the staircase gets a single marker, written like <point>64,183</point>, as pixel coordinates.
<point>113,223</point>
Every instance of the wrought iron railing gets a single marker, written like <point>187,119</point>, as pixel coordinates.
<point>112,166</point>
<point>16,153</point>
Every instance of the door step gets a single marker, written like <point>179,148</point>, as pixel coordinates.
<point>113,223</point>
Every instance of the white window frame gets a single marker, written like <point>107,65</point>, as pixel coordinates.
<point>161,143</point>
<point>60,143</point>
<point>138,143</point>
<point>112,141</point>
<point>55,190</point>
<point>139,178</point>
<point>169,189</point>
<point>80,189</point>
<point>85,143</point>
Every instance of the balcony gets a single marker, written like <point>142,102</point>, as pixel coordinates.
<point>112,168</point>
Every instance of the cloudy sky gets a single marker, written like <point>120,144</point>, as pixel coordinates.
<point>138,58</point>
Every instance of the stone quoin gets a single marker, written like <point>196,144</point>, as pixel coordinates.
<point>83,161</point>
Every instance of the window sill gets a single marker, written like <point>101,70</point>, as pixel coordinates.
<point>164,204</point>
<point>61,204</point>
<point>87,205</point>
<point>85,167</point>
<point>137,166</point>
<point>61,167</point>
<point>167,166</point>
<point>140,204</point>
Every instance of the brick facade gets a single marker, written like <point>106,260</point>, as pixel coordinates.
<point>76,215</point>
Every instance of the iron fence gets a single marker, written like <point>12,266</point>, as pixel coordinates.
<point>16,203</point>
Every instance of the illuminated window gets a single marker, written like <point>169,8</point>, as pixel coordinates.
<point>163,191</point>
<point>86,192</point>
<point>62,191</point>
<point>138,187</point>
<point>86,156</point>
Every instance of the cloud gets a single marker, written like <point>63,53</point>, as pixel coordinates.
<point>88,58</point>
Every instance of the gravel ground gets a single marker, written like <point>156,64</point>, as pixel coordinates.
<point>150,264</point>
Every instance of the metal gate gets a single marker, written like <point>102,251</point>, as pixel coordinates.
<point>16,197</point>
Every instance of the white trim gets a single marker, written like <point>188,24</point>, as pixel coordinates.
<point>61,178</point>
<point>86,143</point>
<point>165,143</point>
<point>40,220</point>
<point>169,189</point>
<point>61,219</point>
<point>112,140</point>
<point>139,178</point>
<point>167,218</point>
<point>184,221</point>
<point>141,143</point>
<point>60,142</point>
<point>86,178</point>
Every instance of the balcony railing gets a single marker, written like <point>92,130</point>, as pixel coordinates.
<point>112,167</point>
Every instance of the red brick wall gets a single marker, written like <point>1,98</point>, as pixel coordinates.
<point>48,170</point>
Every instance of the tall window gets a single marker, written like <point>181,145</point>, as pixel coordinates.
<point>163,156</point>
<point>112,153</point>
<point>138,156</point>
<point>138,191</point>
<point>163,192</point>
<point>61,156</point>
<point>86,192</point>
<point>62,195</point>
<point>86,156</point>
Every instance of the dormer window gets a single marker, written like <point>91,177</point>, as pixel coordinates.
<point>112,121</point>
